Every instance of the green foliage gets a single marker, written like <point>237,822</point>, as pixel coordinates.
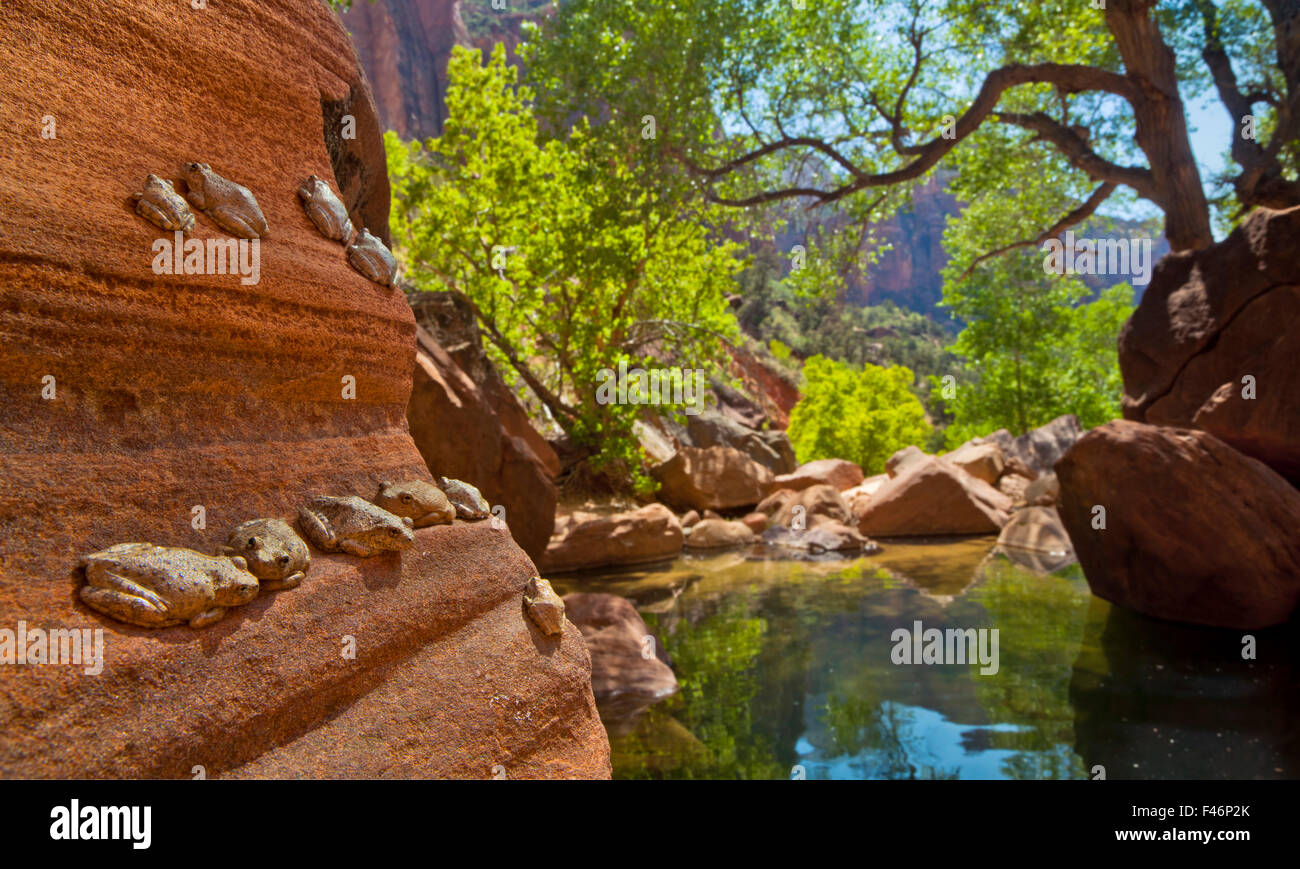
<point>571,262</point>
<point>1033,348</point>
<point>863,415</point>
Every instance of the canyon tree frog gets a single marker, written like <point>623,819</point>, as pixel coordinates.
<point>422,502</point>
<point>325,209</point>
<point>467,500</point>
<point>353,526</point>
<point>162,206</point>
<point>369,256</point>
<point>157,586</point>
<point>275,554</point>
<point>231,205</point>
<point>544,606</point>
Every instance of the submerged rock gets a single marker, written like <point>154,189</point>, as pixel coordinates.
<point>719,534</point>
<point>629,667</point>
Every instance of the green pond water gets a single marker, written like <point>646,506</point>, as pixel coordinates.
<point>785,671</point>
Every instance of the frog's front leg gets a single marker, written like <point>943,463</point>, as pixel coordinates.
<point>282,584</point>
<point>208,617</point>
<point>126,607</point>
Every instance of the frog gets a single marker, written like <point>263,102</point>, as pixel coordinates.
<point>162,206</point>
<point>159,586</point>
<point>275,554</point>
<point>468,501</point>
<point>325,209</point>
<point>423,502</point>
<point>544,606</point>
<point>353,525</point>
<point>232,206</point>
<point>368,255</point>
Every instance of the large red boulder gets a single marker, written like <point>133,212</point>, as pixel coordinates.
<point>1209,346</point>
<point>585,540</point>
<point>713,478</point>
<point>177,392</point>
<point>1194,530</point>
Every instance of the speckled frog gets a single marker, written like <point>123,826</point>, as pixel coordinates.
<point>368,255</point>
<point>354,526</point>
<point>275,554</point>
<point>232,206</point>
<point>162,206</point>
<point>545,607</point>
<point>423,502</point>
<point>325,209</point>
<point>468,501</point>
<point>157,586</point>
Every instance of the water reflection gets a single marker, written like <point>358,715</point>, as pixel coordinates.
<point>785,671</point>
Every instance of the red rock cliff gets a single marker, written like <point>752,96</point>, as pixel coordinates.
<point>172,392</point>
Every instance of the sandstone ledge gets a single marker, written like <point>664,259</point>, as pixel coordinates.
<point>450,678</point>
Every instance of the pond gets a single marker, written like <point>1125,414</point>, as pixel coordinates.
<point>787,670</point>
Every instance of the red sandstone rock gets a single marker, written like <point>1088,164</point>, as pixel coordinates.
<point>177,391</point>
<point>719,534</point>
<point>584,540</point>
<point>624,677</point>
<point>1194,530</point>
<point>839,473</point>
<point>1210,318</point>
<point>478,432</point>
<point>716,478</point>
<point>933,497</point>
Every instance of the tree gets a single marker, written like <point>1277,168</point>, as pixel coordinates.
<point>571,264</point>
<point>863,415</point>
<point>1033,349</point>
<point>822,101</point>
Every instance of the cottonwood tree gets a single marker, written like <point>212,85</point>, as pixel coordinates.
<point>1052,107</point>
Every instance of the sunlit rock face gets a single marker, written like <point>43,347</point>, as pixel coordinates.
<point>166,408</point>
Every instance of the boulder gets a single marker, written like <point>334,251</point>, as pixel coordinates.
<point>983,461</point>
<point>905,458</point>
<point>712,478</point>
<point>689,518</point>
<point>1015,465</point>
<point>1013,486</point>
<point>755,521</point>
<point>1044,491</point>
<point>1039,449</point>
<point>770,449</point>
<point>476,431</point>
<point>822,501</point>
<point>835,472</point>
<point>624,678</point>
<point>719,534</point>
<point>933,497</point>
<point>177,392</point>
<point>1242,388</point>
<point>826,535</point>
<point>858,497</point>
<point>1194,530</point>
<point>586,540</point>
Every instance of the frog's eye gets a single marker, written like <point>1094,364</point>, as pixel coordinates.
<point>406,499</point>
<point>252,543</point>
<point>393,532</point>
<point>283,559</point>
